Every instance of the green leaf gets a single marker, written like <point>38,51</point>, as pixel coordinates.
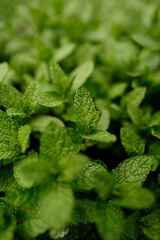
<point>85,112</point>
<point>135,97</point>
<point>11,97</point>
<point>117,90</point>
<point>24,136</point>
<point>6,177</point>
<point>41,122</point>
<point>30,171</point>
<point>81,73</point>
<point>31,97</point>
<point>55,143</point>
<point>133,170</point>
<point>156,132</point>
<point>13,112</point>
<point>31,228</point>
<point>101,136</point>
<point>109,221</point>
<point>132,143</point>
<point>104,183</point>
<point>7,152</point>
<point>3,70</point>
<point>132,197</point>
<point>86,180</point>
<point>50,99</point>
<point>151,224</point>
<point>8,136</point>
<point>56,206</point>
<point>104,120</point>
<point>59,79</point>
<point>84,211</point>
<point>63,51</point>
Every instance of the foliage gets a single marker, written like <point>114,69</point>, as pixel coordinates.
<point>79,119</point>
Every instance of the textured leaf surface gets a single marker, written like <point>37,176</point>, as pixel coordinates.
<point>85,112</point>
<point>11,97</point>
<point>30,97</point>
<point>58,77</point>
<point>50,99</point>
<point>55,143</point>
<point>133,170</point>
<point>132,143</point>
<point>85,181</point>
<point>23,136</point>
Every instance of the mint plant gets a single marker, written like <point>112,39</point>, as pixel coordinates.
<point>79,120</point>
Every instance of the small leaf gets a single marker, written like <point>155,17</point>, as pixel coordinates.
<point>132,143</point>
<point>30,98</point>
<point>101,136</point>
<point>6,177</point>
<point>59,79</point>
<point>63,51</point>
<point>85,112</point>
<point>81,73</point>
<point>23,137</point>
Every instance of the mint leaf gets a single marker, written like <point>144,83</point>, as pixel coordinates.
<point>135,97</point>
<point>8,137</point>
<point>132,197</point>
<point>30,171</point>
<point>50,99</point>
<point>6,177</point>
<point>86,180</point>
<point>3,70</point>
<point>84,211</point>
<point>132,143</point>
<point>109,221</point>
<point>81,73</point>
<point>63,51</point>
<point>151,224</point>
<point>41,122</point>
<point>30,98</point>
<point>85,112</point>
<point>133,170</point>
<point>11,97</point>
<point>23,137</point>
<point>101,136</point>
<point>56,206</point>
<point>58,77</point>
<point>55,143</point>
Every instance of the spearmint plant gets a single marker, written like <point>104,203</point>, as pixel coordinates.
<point>79,120</point>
